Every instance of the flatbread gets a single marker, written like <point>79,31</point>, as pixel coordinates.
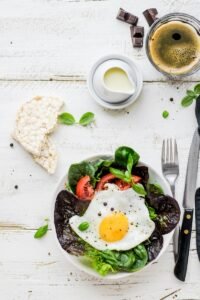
<point>35,119</point>
<point>48,157</point>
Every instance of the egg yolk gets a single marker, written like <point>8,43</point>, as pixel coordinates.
<point>113,227</point>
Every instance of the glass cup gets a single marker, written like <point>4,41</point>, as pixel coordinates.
<point>180,53</point>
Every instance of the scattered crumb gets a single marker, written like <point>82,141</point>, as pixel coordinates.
<point>127,112</point>
<point>16,186</point>
<point>71,273</point>
<point>49,253</point>
<point>11,145</point>
<point>30,175</point>
<point>11,42</point>
<point>51,79</point>
<point>171,99</point>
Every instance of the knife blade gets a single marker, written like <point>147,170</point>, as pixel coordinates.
<point>197,219</point>
<point>180,269</point>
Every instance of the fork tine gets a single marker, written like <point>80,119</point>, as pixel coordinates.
<point>168,151</point>
<point>163,152</point>
<point>175,152</point>
<point>171,151</point>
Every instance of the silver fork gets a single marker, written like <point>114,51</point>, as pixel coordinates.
<point>170,169</point>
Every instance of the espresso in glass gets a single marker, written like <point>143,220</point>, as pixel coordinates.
<point>174,45</point>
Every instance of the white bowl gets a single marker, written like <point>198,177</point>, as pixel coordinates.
<point>78,261</point>
<point>137,78</point>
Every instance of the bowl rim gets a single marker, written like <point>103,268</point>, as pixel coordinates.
<point>119,105</point>
<point>79,265</point>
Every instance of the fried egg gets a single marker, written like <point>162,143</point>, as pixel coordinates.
<point>116,220</point>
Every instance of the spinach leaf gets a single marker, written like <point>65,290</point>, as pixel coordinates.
<point>155,188</point>
<point>123,154</point>
<point>77,171</point>
<point>112,261</point>
<point>101,166</point>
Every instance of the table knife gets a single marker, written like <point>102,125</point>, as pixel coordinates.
<point>180,269</point>
<point>197,219</point>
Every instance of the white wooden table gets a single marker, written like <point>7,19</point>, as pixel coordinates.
<point>47,47</point>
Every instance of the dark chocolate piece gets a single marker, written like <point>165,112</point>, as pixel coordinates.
<point>150,15</point>
<point>137,42</point>
<point>137,31</point>
<point>127,17</point>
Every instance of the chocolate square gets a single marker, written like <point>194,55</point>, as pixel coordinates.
<point>127,17</point>
<point>137,42</point>
<point>150,15</point>
<point>137,31</point>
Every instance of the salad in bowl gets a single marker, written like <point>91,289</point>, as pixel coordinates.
<point>115,215</point>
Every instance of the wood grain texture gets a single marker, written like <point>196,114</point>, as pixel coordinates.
<point>57,40</point>
<point>61,39</point>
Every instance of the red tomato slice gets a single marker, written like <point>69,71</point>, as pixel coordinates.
<point>136,179</point>
<point>119,182</point>
<point>84,190</point>
<point>105,179</point>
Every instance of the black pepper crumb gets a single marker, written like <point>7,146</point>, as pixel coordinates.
<point>11,42</point>
<point>177,88</point>
<point>49,253</point>
<point>105,203</point>
<point>16,187</point>
<point>71,273</point>
<point>171,99</point>
<point>99,214</point>
<point>112,209</point>
<point>11,145</point>
<point>30,175</point>
<point>127,112</point>
<point>51,79</point>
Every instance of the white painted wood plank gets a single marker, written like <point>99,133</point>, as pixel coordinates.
<point>37,269</point>
<point>140,126</point>
<point>61,39</point>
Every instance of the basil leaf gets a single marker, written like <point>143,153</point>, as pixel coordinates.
<point>187,100</point>
<point>41,231</point>
<point>83,226</point>
<point>191,93</point>
<point>138,188</point>
<point>120,174</point>
<point>66,118</point>
<point>155,188</point>
<point>152,213</point>
<point>86,119</point>
<point>130,164</point>
<point>197,89</point>
<point>165,114</point>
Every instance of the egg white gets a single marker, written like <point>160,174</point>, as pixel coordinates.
<point>127,202</point>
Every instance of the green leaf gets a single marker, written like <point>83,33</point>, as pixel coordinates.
<point>197,89</point>
<point>130,164</point>
<point>122,156</point>
<point>66,118</point>
<point>83,226</point>
<point>155,188</point>
<point>187,100</point>
<point>86,119</point>
<point>120,174</point>
<point>77,171</point>
<point>41,231</point>
<point>152,213</point>
<point>191,93</point>
<point>138,188</point>
<point>165,114</point>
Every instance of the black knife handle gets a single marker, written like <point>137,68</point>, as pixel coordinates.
<point>180,269</point>
<point>197,219</point>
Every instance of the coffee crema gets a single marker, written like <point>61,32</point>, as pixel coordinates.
<point>175,47</point>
